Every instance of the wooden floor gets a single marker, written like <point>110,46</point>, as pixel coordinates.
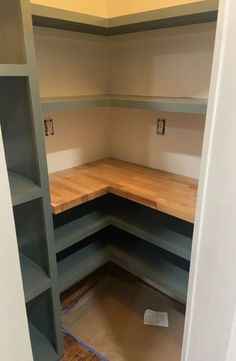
<point>166,192</point>
<point>76,352</point>
<point>73,350</point>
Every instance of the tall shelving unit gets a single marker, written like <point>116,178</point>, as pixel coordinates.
<point>20,120</point>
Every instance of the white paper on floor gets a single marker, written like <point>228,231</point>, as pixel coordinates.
<point>153,318</point>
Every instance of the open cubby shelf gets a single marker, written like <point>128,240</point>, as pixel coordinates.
<point>22,189</point>
<point>22,131</point>
<point>34,278</point>
<point>178,15</point>
<point>159,104</point>
<point>41,346</point>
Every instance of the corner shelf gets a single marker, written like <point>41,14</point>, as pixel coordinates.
<point>160,104</point>
<point>22,189</point>
<point>34,278</point>
<point>178,15</point>
<point>74,268</point>
<point>151,231</point>
<point>41,346</point>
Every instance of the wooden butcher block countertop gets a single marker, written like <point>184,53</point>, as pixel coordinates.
<point>166,192</point>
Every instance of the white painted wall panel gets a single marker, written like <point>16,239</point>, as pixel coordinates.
<point>210,331</point>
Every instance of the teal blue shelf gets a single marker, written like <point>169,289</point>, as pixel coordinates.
<point>159,104</point>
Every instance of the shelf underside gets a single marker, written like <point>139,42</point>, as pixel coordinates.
<point>160,104</point>
<point>34,278</point>
<point>22,189</point>
<point>178,15</point>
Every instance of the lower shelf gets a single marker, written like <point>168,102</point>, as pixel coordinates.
<point>73,232</point>
<point>145,262</point>
<point>41,346</point>
<point>35,280</point>
<point>80,264</point>
<point>153,230</point>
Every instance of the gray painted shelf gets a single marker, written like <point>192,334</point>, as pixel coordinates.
<point>146,263</point>
<point>14,70</point>
<point>76,102</point>
<point>180,15</point>
<point>74,268</point>
<point>73,232</point>
<point>22,189</point>
<point>35,279</point>
<point>152,231</point>
<point>24,147</point>
<point>41,346</point>
<point>160,104</point>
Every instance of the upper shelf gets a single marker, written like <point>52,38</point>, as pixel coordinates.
<point>177,105</point>
<point>178,15</point>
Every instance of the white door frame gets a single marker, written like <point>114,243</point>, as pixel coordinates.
<point>210,333</point>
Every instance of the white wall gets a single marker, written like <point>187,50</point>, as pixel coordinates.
<point>70,63</point>
<point>210,323</point>
<point>73,64</point>
<point>169,62</point>
<point>80,137</point>
<point>14,340</point>
<point>133,138</point>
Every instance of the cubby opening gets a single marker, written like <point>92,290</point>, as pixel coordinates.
<point>12,50</point>
<point>42,328</point>
<point>31,232</point>
<point>16,120</point>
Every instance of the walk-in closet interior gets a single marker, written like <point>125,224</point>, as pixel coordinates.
<point>103,124</point>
